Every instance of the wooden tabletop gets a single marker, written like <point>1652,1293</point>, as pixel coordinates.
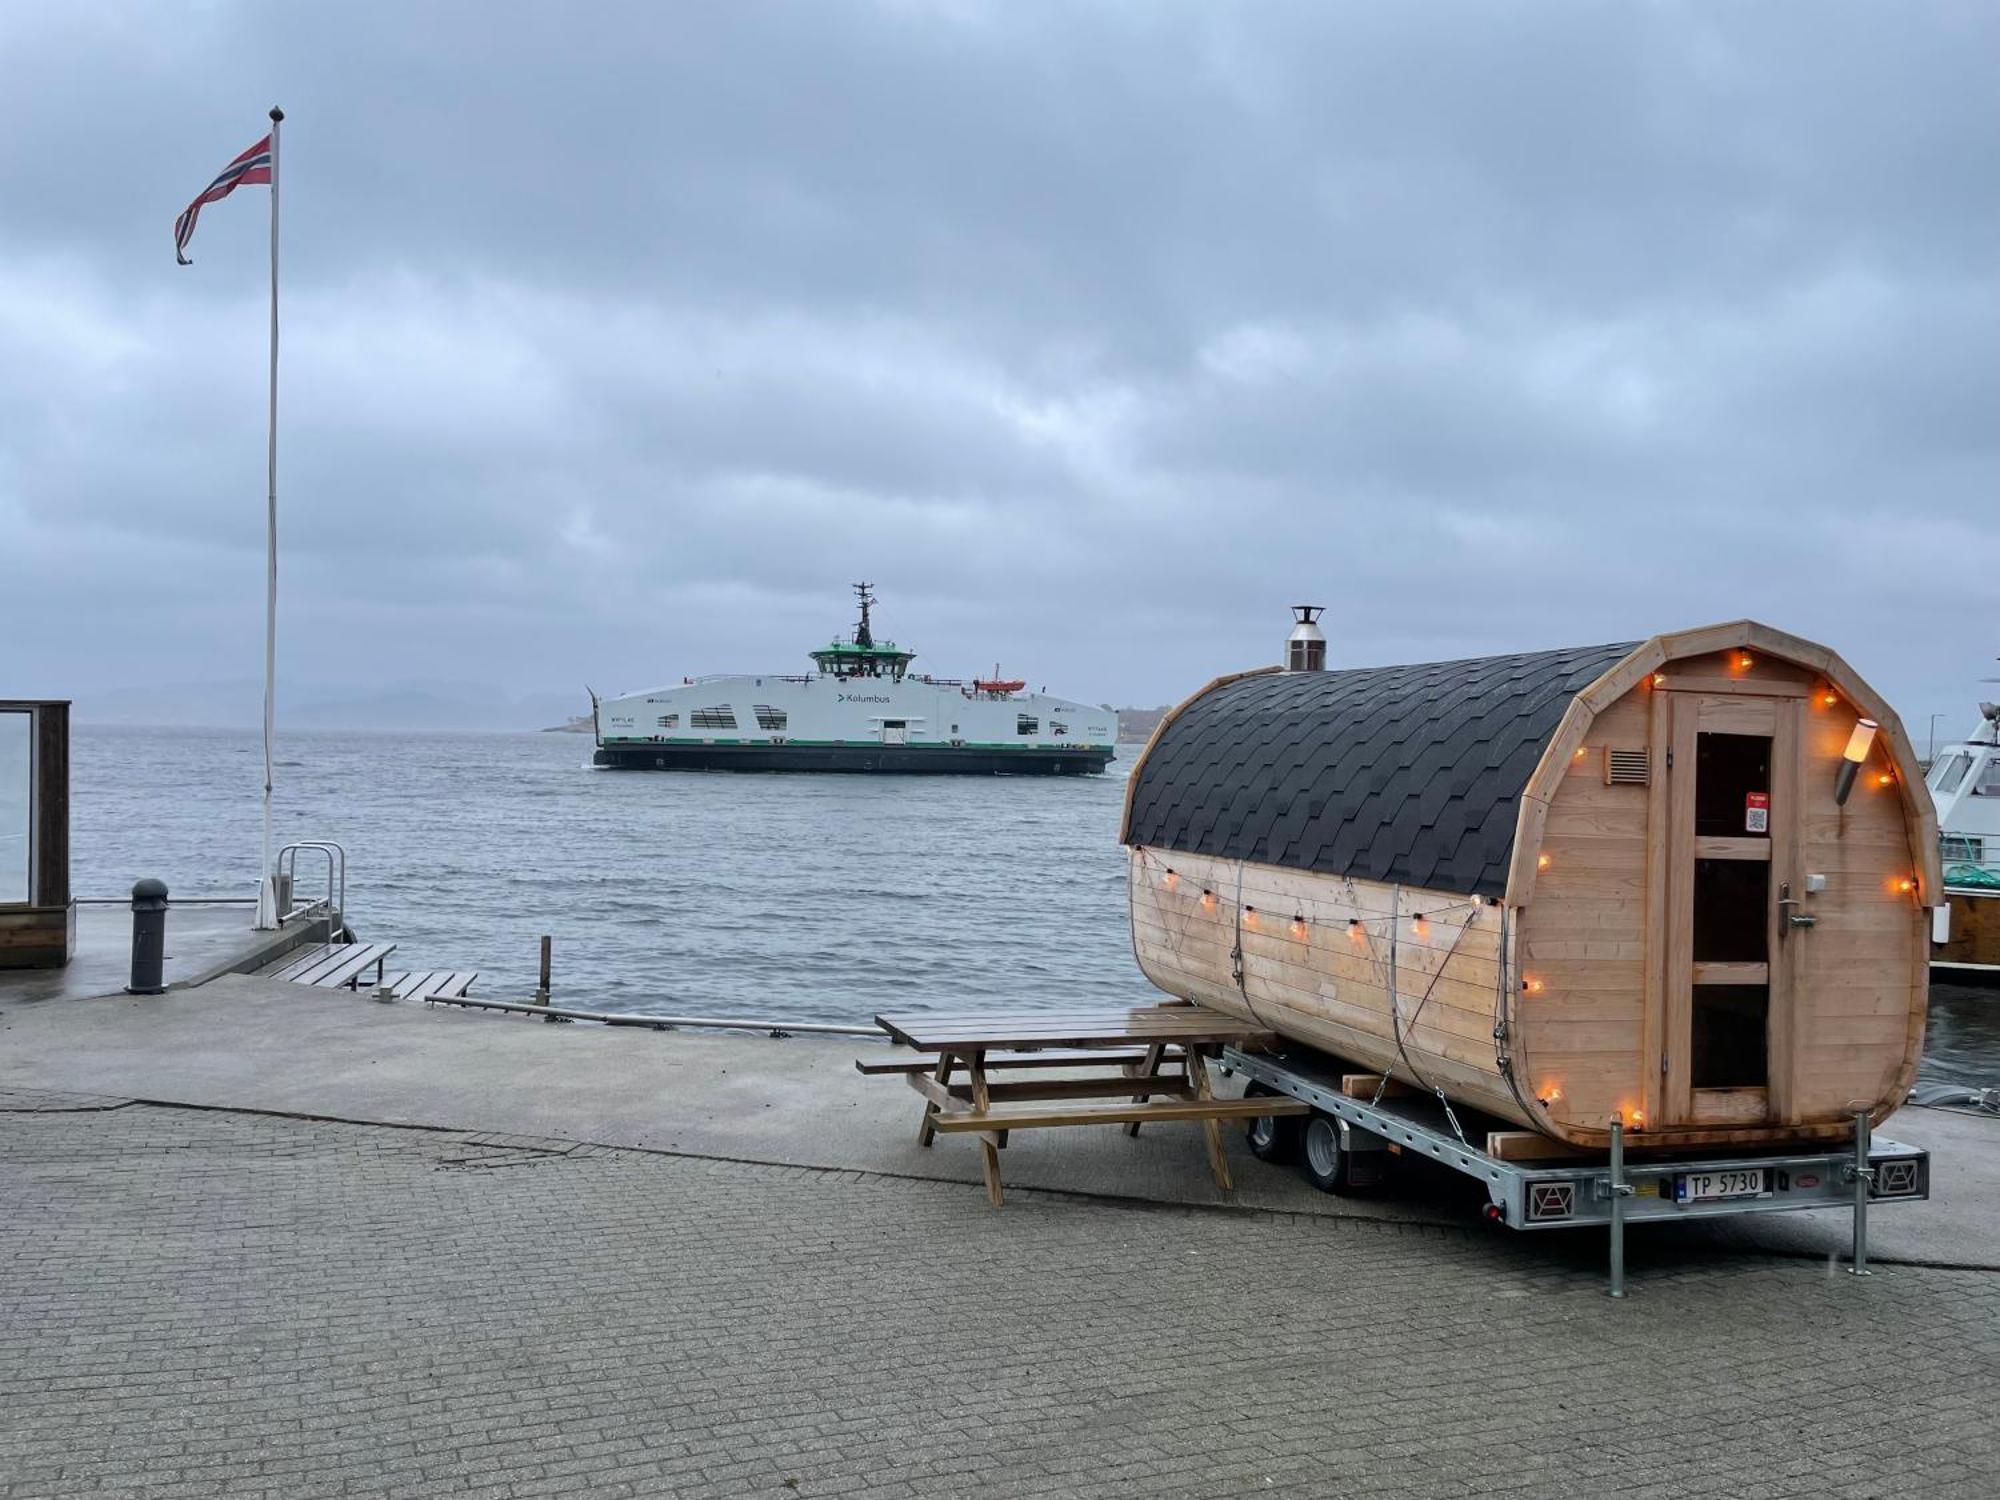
<point>977,1032</point>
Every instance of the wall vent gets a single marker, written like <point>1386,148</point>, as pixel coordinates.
<point>1627,767</point>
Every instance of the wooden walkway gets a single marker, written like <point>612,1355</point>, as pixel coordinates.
<point>344,965</point>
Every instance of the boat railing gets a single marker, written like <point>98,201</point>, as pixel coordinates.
<point>1971,861</point>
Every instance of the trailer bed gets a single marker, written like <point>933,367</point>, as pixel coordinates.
<point>1614,1190</point>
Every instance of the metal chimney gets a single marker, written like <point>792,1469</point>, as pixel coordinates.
<point>1306,650</point>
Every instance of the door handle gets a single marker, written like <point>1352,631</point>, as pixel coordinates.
<point>1794,918</point>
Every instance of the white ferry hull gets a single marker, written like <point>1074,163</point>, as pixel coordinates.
<point>827,723</point>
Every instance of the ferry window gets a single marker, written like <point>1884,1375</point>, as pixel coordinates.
<point>1056,726</point>
<point>712,718</point>
<point>670,721</point>
<point>1950,772</point>
<point>1027,724</point>
<point>1988,784</point>
<point>771,718</point>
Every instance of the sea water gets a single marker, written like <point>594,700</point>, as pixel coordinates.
<point>803,897</point>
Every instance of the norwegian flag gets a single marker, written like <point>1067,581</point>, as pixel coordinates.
<point>253,166</point>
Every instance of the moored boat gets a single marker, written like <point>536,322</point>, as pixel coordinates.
<point>860,709</point>
<point>1965,784</point>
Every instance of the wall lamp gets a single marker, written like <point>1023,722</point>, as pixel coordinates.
<point>1859,744</point>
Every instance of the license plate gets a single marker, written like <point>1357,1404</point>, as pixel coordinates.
<point>1733,1182</point>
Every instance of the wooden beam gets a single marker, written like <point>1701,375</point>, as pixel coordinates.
<point>1363,1086</point>
<point>1119,1114</point>
<point>1527,1145</point>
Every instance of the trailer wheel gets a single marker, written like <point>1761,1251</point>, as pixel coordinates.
<point>1325,1162</point>
<point>1271,1137</point>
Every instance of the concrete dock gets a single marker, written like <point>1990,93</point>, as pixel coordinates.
<point>280,1241</point>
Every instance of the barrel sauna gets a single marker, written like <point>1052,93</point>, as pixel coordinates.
<point>1682,884</point>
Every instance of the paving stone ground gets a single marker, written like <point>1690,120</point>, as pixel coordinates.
<point>201,1303</point>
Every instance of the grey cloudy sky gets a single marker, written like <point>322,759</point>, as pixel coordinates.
<point>620,338</point>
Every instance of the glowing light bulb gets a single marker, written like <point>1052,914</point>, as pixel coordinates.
<point>1744,661</point>
<point>1354,931</point>
<point>1299,928</point>
<point>1250,916</point>
<point>1553,1096</point>
<point>1659,679</point>
<point>1532,986</point>
<point>1828,699</point>
<point>1861,741</point>
<point>1170,879</point>
<point>1885,779</point>
<point>1418,925</point>
<point>1581,752</point>
<point>1905,885</point>
<point>1542,862</point>
<point>1208,900</point>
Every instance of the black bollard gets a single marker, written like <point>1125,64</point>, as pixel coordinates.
<point>149,937</point>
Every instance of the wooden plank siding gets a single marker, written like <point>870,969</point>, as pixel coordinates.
<point>1582,1031</point>
<point>1331,986</point>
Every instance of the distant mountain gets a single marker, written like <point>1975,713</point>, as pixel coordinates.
<point>398,705</point>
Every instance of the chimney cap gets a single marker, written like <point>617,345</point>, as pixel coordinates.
<point>1305,614</point>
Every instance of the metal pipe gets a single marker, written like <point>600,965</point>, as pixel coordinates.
<point>1619,1188</point>
<point>1864,1176</point>
<point>630,1018</point>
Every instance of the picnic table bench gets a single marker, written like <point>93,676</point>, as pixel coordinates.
<point>1136,1065</point>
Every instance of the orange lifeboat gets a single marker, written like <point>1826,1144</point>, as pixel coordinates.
<point>999,687</point>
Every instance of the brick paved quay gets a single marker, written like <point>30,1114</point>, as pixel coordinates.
<point>204,1302</point>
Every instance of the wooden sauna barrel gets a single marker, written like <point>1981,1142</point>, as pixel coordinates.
<point>1561,886</point>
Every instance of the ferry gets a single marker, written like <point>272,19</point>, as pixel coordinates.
<point>860,709</point>
<point>1965,786</point>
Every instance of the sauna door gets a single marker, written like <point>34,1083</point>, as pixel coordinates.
<point>1731,868</point>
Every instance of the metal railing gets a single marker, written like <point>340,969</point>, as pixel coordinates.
<point>336,882</point>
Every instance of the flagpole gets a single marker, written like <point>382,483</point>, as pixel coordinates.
<point>267,896</point>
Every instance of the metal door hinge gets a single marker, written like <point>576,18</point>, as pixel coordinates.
<point>1670,759</point>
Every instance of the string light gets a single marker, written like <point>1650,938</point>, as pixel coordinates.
<point>1208,900</point>
<point>1170,879</point>
<point>1829,698</point>
<point>1659,679</point>
<point>1542,862</point>
<point>1581,752</point>
<point>1250,917</point>
<point>1417,925</point>
<point>1354,929</point>
<point>1531,986</point>
<point>1299,927</point>
<point>1887,778</point>
<point>1553,1096</point>
<point>1905,885</point>
<point>1744,661</point>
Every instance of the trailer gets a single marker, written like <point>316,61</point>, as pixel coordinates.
<point>1346,1143</point>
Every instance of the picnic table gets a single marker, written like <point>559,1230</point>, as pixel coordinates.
<point>1136,1066</point>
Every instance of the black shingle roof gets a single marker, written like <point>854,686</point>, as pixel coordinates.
<point>1406,774</point>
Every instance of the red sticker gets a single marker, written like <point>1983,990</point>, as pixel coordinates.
<point>1757,812</point>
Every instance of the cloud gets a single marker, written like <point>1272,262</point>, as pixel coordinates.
<point>1094,335</point>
